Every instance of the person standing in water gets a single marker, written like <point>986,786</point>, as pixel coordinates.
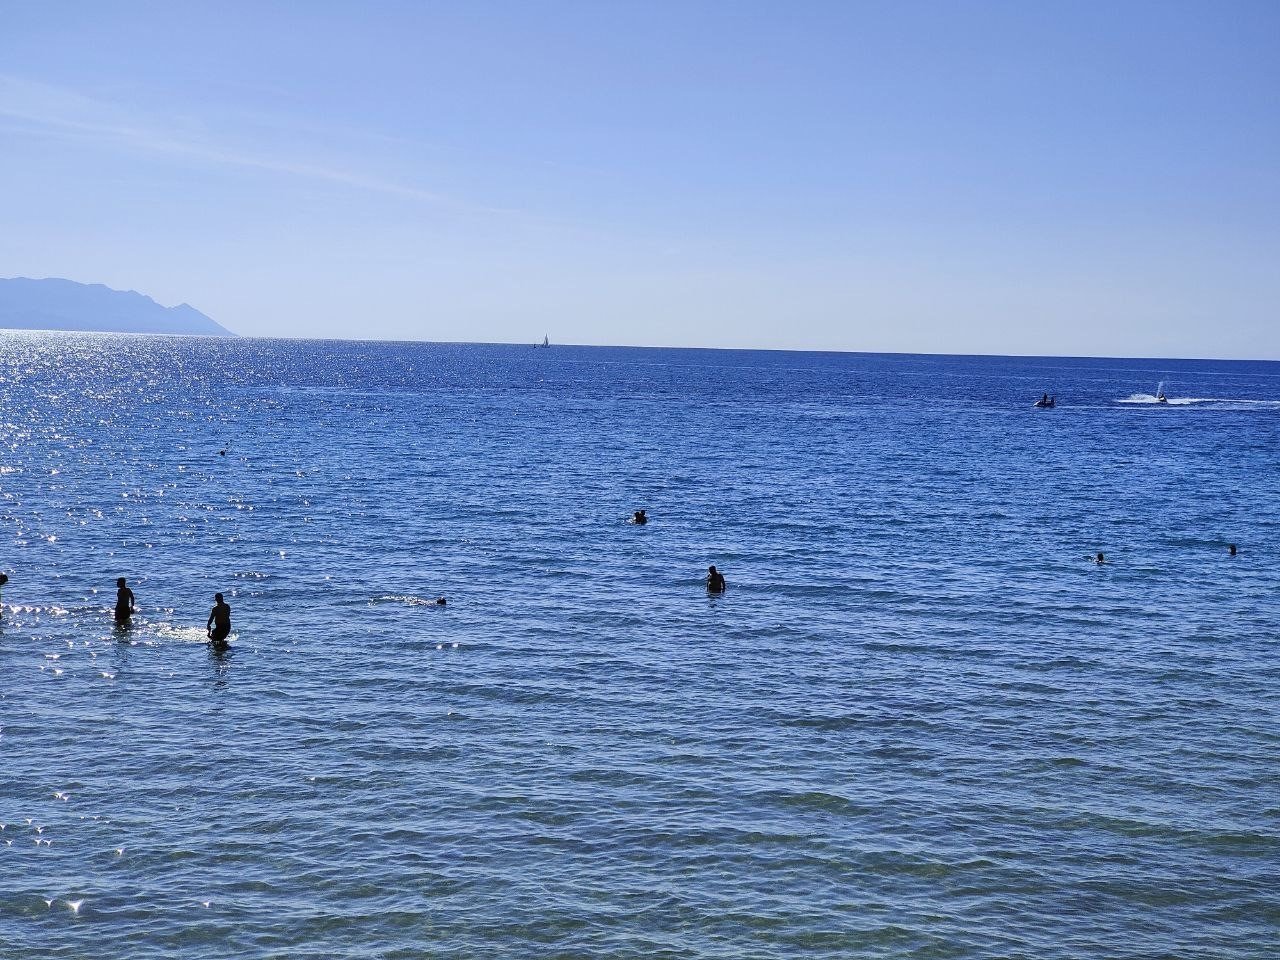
<point>639,517</point>
<point>219,625</point>
<point>715,580</point>
<point>124,602</point>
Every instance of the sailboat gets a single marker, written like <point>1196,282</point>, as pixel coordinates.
<point>546,343</point>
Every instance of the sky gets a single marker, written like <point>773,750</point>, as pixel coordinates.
<point>1064,178</point>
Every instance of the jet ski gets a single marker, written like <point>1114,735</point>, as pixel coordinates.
<point>1045,403</point>
<point>1162,399</point>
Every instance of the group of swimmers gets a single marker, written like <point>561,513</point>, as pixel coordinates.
<point>217,628</point>
<point>715,579</point>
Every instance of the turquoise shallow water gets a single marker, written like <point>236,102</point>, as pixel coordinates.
<point>921,723</point>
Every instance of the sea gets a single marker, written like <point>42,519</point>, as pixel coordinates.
<point>921,722</point>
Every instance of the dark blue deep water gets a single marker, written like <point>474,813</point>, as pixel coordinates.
<point>921,722</point>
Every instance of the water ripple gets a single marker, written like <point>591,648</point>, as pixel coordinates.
<point>920,723</point>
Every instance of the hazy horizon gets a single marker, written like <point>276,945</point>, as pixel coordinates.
<point>1056,180</point>
<point>628,346</point>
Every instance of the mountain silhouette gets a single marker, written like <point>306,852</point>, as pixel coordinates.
<point>55,304</point>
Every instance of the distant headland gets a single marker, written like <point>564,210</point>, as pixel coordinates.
<point>55,304</point>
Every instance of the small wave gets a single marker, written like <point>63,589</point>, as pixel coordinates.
<point>409,601</point>
<point>816,800</point>
<point>1066,762</point>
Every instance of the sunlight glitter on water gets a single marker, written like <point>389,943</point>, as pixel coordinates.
<point>920,722</point>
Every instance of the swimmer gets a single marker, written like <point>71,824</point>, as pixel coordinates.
<point>715,580</point>
<point>1100,559</point>
<point>639,517</point>
<point>124,601</point>
<point>1231,552</point>
<point>219,625</point>
<point>441,601</point>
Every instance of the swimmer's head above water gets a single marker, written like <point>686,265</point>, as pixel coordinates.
<point>1100,558</point>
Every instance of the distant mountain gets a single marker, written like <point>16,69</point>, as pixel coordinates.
<point>54,304</point>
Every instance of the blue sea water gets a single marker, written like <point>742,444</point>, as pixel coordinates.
<point>921,723</point>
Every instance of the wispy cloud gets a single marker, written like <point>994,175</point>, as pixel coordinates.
<point>59,110</point>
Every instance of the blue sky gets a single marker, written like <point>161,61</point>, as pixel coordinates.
<point>972,177</point>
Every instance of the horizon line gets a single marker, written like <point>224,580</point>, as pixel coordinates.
<point>641,346</point>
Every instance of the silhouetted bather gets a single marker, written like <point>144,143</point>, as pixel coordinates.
<point>1231,549</point>
<point>124,602</point>
<point>441,601</point>
<point>639,517</point>
<point>715,580</point>
<point>1101,558</point>
<point>219,625</point>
